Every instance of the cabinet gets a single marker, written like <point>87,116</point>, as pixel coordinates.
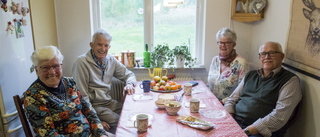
<point>242,11</point>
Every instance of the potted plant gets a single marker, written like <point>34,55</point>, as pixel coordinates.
<point>181,56</point>
<point>158,56</point>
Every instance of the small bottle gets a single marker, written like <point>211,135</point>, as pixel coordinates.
<point>146,57</point>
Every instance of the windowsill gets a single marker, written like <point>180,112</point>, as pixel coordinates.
<point>193,68</point>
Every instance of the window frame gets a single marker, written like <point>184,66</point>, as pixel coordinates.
<point>149,29</point>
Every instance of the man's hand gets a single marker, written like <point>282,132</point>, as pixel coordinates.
<point>252,130</point>
<point>105,125</point>
<point>103,136</point>
<point>129,89</point>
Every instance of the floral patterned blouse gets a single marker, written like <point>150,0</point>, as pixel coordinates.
<point>51,116</point>
<point>222,85</point>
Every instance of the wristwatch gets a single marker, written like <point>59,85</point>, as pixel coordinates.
<point>247,132</point>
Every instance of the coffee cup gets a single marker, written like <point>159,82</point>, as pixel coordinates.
<point>194,105</point>
<point>141,122</point>
<point>187,88</point>
<point>145,85</point>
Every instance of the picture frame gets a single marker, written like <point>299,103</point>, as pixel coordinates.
<point>303,45</point>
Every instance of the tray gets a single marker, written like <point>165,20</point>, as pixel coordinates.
<point>163,91</point>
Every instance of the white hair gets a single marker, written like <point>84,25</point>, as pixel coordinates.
<point>46,53</point>
<point>274,43</point>
<point>226,33</point>
<point>102,32</point>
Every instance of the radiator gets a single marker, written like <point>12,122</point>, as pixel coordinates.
<point>116,89</point>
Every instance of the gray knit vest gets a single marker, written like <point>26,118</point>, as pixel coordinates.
<point>259,95</point>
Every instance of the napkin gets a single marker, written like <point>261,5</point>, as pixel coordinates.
<point>130,124</point>
<point>187,104</point>
<point>142,97</point>
<point>196,91</point>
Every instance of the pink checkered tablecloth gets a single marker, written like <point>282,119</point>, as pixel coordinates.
<point>164,125</point>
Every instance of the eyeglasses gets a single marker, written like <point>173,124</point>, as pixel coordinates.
<point>270,53</point>
<point>47,68</point>
<point>228,43</point>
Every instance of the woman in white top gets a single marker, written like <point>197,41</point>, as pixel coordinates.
<point>227,69</point>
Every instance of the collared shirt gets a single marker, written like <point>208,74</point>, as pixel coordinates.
<point>289,96</point>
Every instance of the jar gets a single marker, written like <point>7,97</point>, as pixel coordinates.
<point>128,58</point>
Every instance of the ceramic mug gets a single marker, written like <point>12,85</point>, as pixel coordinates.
<point>142,122</point>
<point>145,85</point>
<point>194,105</point>
<point>187,88</point>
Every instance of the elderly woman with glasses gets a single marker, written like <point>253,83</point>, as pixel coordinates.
<point>53,104</point>
<point>226,70</point>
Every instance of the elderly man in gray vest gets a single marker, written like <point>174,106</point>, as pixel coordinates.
<point>265,98</point>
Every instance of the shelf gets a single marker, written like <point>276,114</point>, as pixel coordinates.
<point>244,16</point>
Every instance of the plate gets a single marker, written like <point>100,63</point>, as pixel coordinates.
<point>133,117</point>
<point>163,91</point>
<point>209,113</point>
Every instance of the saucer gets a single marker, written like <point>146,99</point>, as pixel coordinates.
<point>133,117</point>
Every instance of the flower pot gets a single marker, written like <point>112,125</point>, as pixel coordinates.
<point>179,62</point>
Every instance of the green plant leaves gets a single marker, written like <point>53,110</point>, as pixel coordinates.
<point>162,54</point>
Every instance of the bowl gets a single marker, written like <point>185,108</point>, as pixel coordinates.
<point>172,107</point>
<point>160,104</point>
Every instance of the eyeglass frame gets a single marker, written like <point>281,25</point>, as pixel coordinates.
<point>228,43</point>
<point>270,54</point>
<point>46,68</point>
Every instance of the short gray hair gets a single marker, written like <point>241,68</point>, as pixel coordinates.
<point>226,33</point>
<point>274,43</point>
<point>46,53</point>
<point>102,32</point>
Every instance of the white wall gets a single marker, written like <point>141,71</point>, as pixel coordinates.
<point>74,32</point>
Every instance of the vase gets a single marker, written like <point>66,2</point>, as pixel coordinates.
<point>179,62</point>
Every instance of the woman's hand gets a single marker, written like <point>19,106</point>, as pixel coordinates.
<point>103,136</point>
<point>105,125</point>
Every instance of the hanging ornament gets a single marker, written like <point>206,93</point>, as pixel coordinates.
<point>4,5</point>
<point>23,21</point>
<point>15,8</point>
<point>19,30</point>
<point>9,27</point>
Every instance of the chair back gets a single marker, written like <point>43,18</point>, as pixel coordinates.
<point>25,124</point>
<point>294,116</point>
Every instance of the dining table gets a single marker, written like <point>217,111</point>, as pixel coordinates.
<point>164,125</point>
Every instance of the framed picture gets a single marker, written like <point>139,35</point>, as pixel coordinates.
<point>303,43</point>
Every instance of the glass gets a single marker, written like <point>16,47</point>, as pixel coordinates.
<point>46,68</point>
<point>270,53</point>
<point>228,43</point>
<point>175,26</point>
<point>124,21</point>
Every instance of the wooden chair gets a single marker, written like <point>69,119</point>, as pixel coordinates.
<point>25,124</point>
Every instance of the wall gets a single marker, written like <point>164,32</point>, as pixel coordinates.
<point>73,26</point>
<point>44,23</point>
<point>74,30</point>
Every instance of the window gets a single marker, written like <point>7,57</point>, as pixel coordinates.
<point>134,23</point>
